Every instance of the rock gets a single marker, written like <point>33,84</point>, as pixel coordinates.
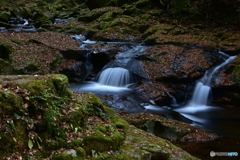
<point>167,128</point>
<point>5,50</point>
<point>99,4</point>
<point>24,12</point>
<point>173,65</point>
<point>226,87</point>
<point>40,113</point>
<point>4,24</point>
<point>4,17</point>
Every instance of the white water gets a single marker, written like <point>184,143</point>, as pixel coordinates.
<point>97,88</point>
<point>203,87</point>
<point>199,100</point>
<point>115,77</point>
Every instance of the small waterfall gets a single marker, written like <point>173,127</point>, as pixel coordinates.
<point>203,86</point>
<point>119,77</point>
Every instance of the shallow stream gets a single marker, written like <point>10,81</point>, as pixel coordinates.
<point>116,81</point>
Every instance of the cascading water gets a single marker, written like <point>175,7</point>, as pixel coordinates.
<point>197,108</point>
<point>203,86</point>
<point>114,78</point>
<point>118,77</point>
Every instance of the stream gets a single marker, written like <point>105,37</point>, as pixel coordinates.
<point>117,80</point>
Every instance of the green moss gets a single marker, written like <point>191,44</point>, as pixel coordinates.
<point>5,50</point>
<point>17,41</point>
<point>4,24</point>
<point>76,143</point>
<point>60,83</point>
<point>6,67</point>
<point>16,138</point>
<point>81,154</point>
<point>31,67</point>
<point>55,144</point>
<point>120,123</point>
<point>77,118</point>
<point>43,20</point>
<point>10,103</point>
<point>35,87</point>
<point>7,144</point>
<point>4,16</point>
<point>62,156</point>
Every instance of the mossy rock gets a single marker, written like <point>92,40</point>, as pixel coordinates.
<point>5,50</point>
<point>147,145</point>
<point>16,138</point>
<point>62,156</point>
<point>91,16</point>
<point>6,68</point>
<point>100,142</point>
<point>23,12</point>
<point>50,27</point>
<point>143,4</point>
<point>4,17</point>
<point>43,19</point>
<point>4,24</point>
<point>10,102</point>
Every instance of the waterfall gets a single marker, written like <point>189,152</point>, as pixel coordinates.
<point>115,77</point>
<point>203,86</point>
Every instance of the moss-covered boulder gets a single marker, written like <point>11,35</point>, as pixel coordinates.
<point>148,146</point>
<point>167,128</point>
<point>43,119</point>
<point>226,89</point>
<point>4,17</point>
<point>99,4</point>
<point>5,50</point>
<point>24,12</point>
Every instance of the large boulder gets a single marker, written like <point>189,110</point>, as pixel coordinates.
<point>42,119</point>
<point>175,65</point>
<point>92,4</point>
<point>227,85</point>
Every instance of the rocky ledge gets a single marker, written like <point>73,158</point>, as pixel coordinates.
<point>42,119</point>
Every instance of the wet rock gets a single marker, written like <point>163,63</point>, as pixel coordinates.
<point>78,55</point>
<point>226,87</point>
<point>77,72</point>
<point>167,128</point>
<point>174,68</point>
<point>98,4</point>
<point>4,17</point>
<point>5,50</point>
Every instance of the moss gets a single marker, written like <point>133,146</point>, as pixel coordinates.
<point>35,87</point>
<point>77,118</point>
<point>4,24</point>
<point>62,156</point>
<point>17,41</point>
<point>120,123</point>
<point>55,144</point>
<point>106,137</point>
<point>16,138</point>
<point>76,143</point>
<point>7,144</point>
<point>142,4</point>
<point>5,50</point>
<point>101,143</point>
<point>22,12</point>
<point>81,154</point>
<point>11,103</point>
<point>50,27</point>
<point>4,16</point>
<point>31,67</point>
<point>6,67</point>
<point>148,145</point>
<point>60,83</point>
<point>43,20</point>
